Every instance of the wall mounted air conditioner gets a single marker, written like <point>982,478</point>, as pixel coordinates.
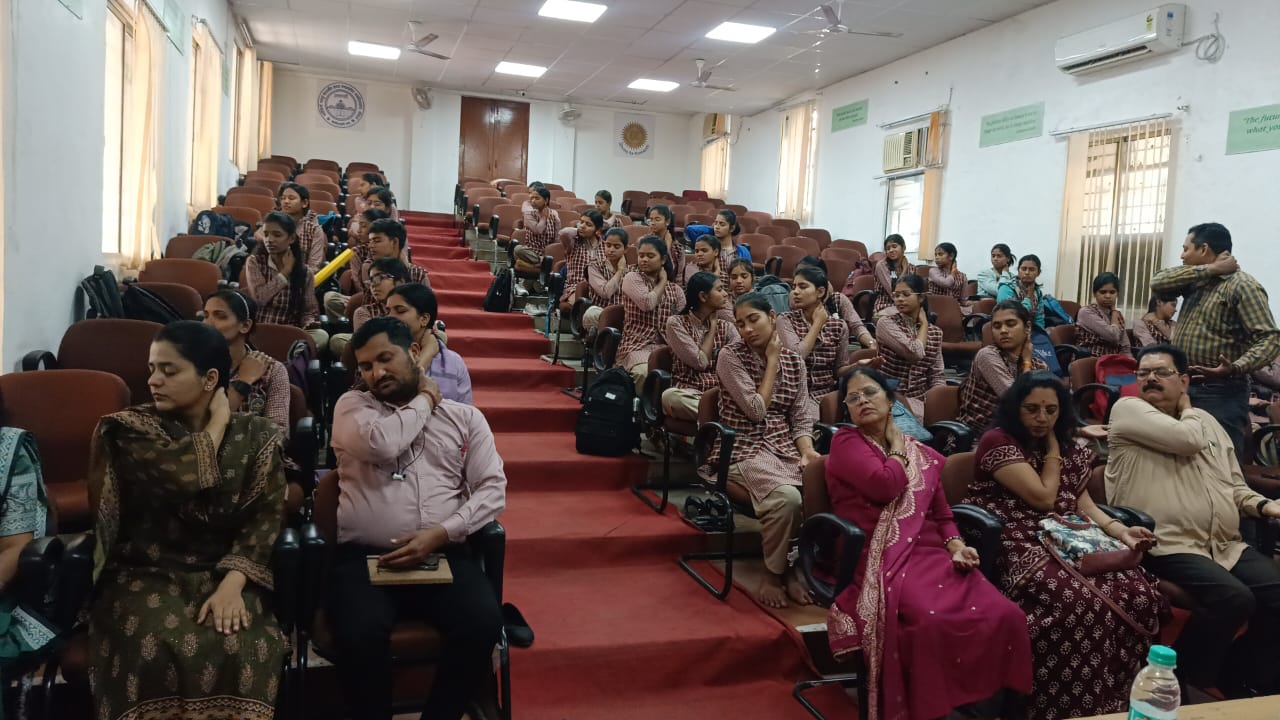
<point>902,150</point>
<point>1153,32</point>
<point>714,126</point>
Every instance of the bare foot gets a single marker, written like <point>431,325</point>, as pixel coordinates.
<point>772,593</point>
<point>797,590</point>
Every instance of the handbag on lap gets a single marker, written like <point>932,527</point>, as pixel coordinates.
<point>1085,546</point>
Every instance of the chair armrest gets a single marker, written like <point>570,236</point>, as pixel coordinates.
<point>493,227</point>
<point>1083,395</point>
<point>981,531</point>
<point>1259,436</point>
<point>606,347</point>
<point>489,546</point>
<point>286,572</point>
<point>580,307</point>
<point>36,358</point>
<point>857,299</point>
<point>822,434</point>
<point>772,266</point>
<point>310,575</point>
<point>1068,353</point>
<point>848,546</point>
<point>655,384</point>
<point>712,434</point>
<point>973,325</point>
<point>1129,516</point>
<point>34,584</point>
<point>951,437</point>
<point>75,577</point>
<point>626,206</point>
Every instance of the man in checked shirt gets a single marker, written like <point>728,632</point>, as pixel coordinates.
<point>1225,326</point>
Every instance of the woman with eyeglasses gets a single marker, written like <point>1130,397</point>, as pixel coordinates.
<point>384,275</point>
<point>891,268</point>
<point>815,330</point>
<point>917,602</point>
<point>910,346</point>
<point>995,367</point>
<point>764,399</point>
<point>1090,628</point>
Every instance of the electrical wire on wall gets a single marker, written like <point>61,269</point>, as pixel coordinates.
<point>1211,46</point>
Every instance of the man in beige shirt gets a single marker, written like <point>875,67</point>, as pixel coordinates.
<point>1176,463</point>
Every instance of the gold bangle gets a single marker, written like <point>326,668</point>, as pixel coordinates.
<point>1053,457</point>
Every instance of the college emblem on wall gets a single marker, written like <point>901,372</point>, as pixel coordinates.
<point>340,104</point>
<point>633,135</point>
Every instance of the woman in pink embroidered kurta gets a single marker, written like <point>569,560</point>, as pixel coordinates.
<point>649,297</point>
<point>764,399</point>
<point>915,628</point>
<point>815,330</point>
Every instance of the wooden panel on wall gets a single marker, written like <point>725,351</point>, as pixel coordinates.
<point>493,139</point>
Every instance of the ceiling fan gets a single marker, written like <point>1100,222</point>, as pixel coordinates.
<point>419,44</point>
<point>704,74</point>
<point>833,17</point>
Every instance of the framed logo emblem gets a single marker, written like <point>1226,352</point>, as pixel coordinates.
<point>340,104</point>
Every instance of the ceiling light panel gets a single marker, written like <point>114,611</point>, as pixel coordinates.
<point>654,85</point>
<point>510,68</point>
<point>572,10</point>
<point>373,50</point>
<point>740,32</point>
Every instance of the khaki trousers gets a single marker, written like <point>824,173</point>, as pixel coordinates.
<point>529,255</point>
<point>639,372</point>
<point>335,304</point>
<point>681,404</point>
<point>780,515</point>
<point>591,317</point>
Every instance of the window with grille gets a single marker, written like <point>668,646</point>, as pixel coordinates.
<point>1116,202</point>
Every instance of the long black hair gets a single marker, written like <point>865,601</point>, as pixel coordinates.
<point>731,217</point>
<point>201,345</point>
<point>818,277</point>
<point>1008,415</point>
<point>596,219</point>
<point>701,282</point>
<point>916,283</point>
<point>241,305</point>
<point>665,212</point>
<point>663,252</point>
<point>298,285</point>
<point>302,191</point>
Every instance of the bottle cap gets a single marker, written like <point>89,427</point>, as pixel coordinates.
<point>1163,655</point>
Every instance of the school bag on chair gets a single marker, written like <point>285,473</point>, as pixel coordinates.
<point>776,291</point>
<point>208,222</point>
<point>102,294</point>
<point>501,295</point>
<point>142,304</point>
<point>1042,346</point>
<point>1117,371</point>
<point>607,422</point>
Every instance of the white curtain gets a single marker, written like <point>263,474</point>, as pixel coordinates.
<point>140,186</point>
<point>246,132</point>
<point>206,110</point>
<point>795,166</point>
<point>715,168</point>
<point>264,110</point>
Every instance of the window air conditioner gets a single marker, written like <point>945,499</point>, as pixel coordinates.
<point>1154,32</point>
<point>902,150</point>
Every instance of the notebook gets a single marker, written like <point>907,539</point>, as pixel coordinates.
<point>411,576</point>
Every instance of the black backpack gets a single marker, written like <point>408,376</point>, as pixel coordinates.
<point>501,296</point>
<point>142,304</point>
<point>776,291</point>
<point>102,294</point>
<point>607,422</point>
<point>208,222</point>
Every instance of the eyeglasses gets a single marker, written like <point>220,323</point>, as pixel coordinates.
<point>854,398</point>
<point>902,295</point>
<point>1162,373</point>
<point>377,278</point>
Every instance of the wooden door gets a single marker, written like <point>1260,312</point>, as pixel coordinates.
<point>494,139</point>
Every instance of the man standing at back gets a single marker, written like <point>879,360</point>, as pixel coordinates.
<point>1225,326</point>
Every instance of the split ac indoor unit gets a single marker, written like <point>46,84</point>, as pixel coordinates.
<point>1153,32</point>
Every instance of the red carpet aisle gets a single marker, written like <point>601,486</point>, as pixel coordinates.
<point>621,632</point>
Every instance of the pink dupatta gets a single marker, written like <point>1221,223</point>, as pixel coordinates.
<point>865,617</point>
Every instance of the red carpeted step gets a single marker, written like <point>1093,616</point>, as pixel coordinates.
<point>540,540</point>
<point>471,298</point>
<point>477,319</point>
<point>509,411</point>
<point>444,253</point>
<point>516,373</point>
<point>757,700</point>
<point>537,461</point>
<point>497,343</point>
<point>452,280</point>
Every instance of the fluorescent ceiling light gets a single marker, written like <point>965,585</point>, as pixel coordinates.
<point>510,68</point>
<point>373,50</point>
<point>654,85</point>
<point>740,32</point>
<point>572,10</point>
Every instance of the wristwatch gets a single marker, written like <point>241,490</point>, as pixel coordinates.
<point>241,387</point>
<point>1261,504</point>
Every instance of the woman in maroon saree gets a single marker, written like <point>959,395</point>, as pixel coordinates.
<point>1090,635</point>
<point>934,633</point>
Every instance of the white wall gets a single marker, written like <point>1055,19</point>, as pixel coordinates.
<point>1013,193</point>
<point>419,148</point>
<point>54,140</point>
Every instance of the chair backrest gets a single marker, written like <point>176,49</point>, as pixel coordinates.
<point>791,226</point>
<point>660,358</point>
<point>248,215</point>
<point>557,194</point>
<point>680,213</point>
<point>183,298</point>
<point>702,207</point>
<point>739,210</point>
<point>320,164</point>
<point>612,316</point>
<point>809,245</point>
<point>262,204</point>
<point>552,186</point>
<point>790,256</point>
<point>923,271</point>
<point>984,306</point>
<point>270,184</point>
<point>1072,308</point>
<point>470,185</point>
<point>487,205</point>
<point>322,207</point>
<point>957,473</point>
<point>1083,371</point>
<point>815,497</point>
<point>822,236</point>
<point>829,408</point>
<point>1097,486</point>
<point>325,508</point>
<point>517,198</point>
<point>509,217</point>
<point>694,218</point>
<point>275,340</point>
<point>841,253</point>
<point>113,345</point>
<point>279,168</point>
<point>748,224</point>
<point>327,193</point>
<point>761,217</point>
<point>482,191</point>
<point>247,189</point>
<point>709,406</point>
<point>568,218</point>
<point>634,233</point>
<point>838,271</point>
<point>758,243</point>
<point>949,318</point>
<point>773,231</point>
<point>858,245</point>
<point>270,174</point>
<point>863,282</point>
<point>1063,334</point>
<point>284,159</point>
<point>200,275</point>
<point>941,403</point>
<point>61,408</point>
<point>184,246</point>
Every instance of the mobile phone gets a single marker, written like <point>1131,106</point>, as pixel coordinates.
<point>432,563</point>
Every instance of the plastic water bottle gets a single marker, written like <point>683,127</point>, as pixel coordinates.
<point>1155,694</point>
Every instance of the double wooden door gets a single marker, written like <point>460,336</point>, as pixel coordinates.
<point>494,140</point>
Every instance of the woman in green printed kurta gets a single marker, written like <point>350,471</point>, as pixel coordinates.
<point>189,501</point>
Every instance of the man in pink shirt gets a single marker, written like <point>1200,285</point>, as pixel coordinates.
<point>418,475</point>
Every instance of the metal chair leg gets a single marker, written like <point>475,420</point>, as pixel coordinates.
<point>854,680</point>
<point>726,556</point>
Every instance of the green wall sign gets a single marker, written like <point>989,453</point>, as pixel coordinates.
<point>1254,130</point>
<point>851,115</point>
<point>1021,123</point>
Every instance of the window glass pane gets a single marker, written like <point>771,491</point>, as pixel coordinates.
<point>905,208</point>
<point>113,133</point>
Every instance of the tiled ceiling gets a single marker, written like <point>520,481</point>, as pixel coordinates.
<point>593,63</point>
